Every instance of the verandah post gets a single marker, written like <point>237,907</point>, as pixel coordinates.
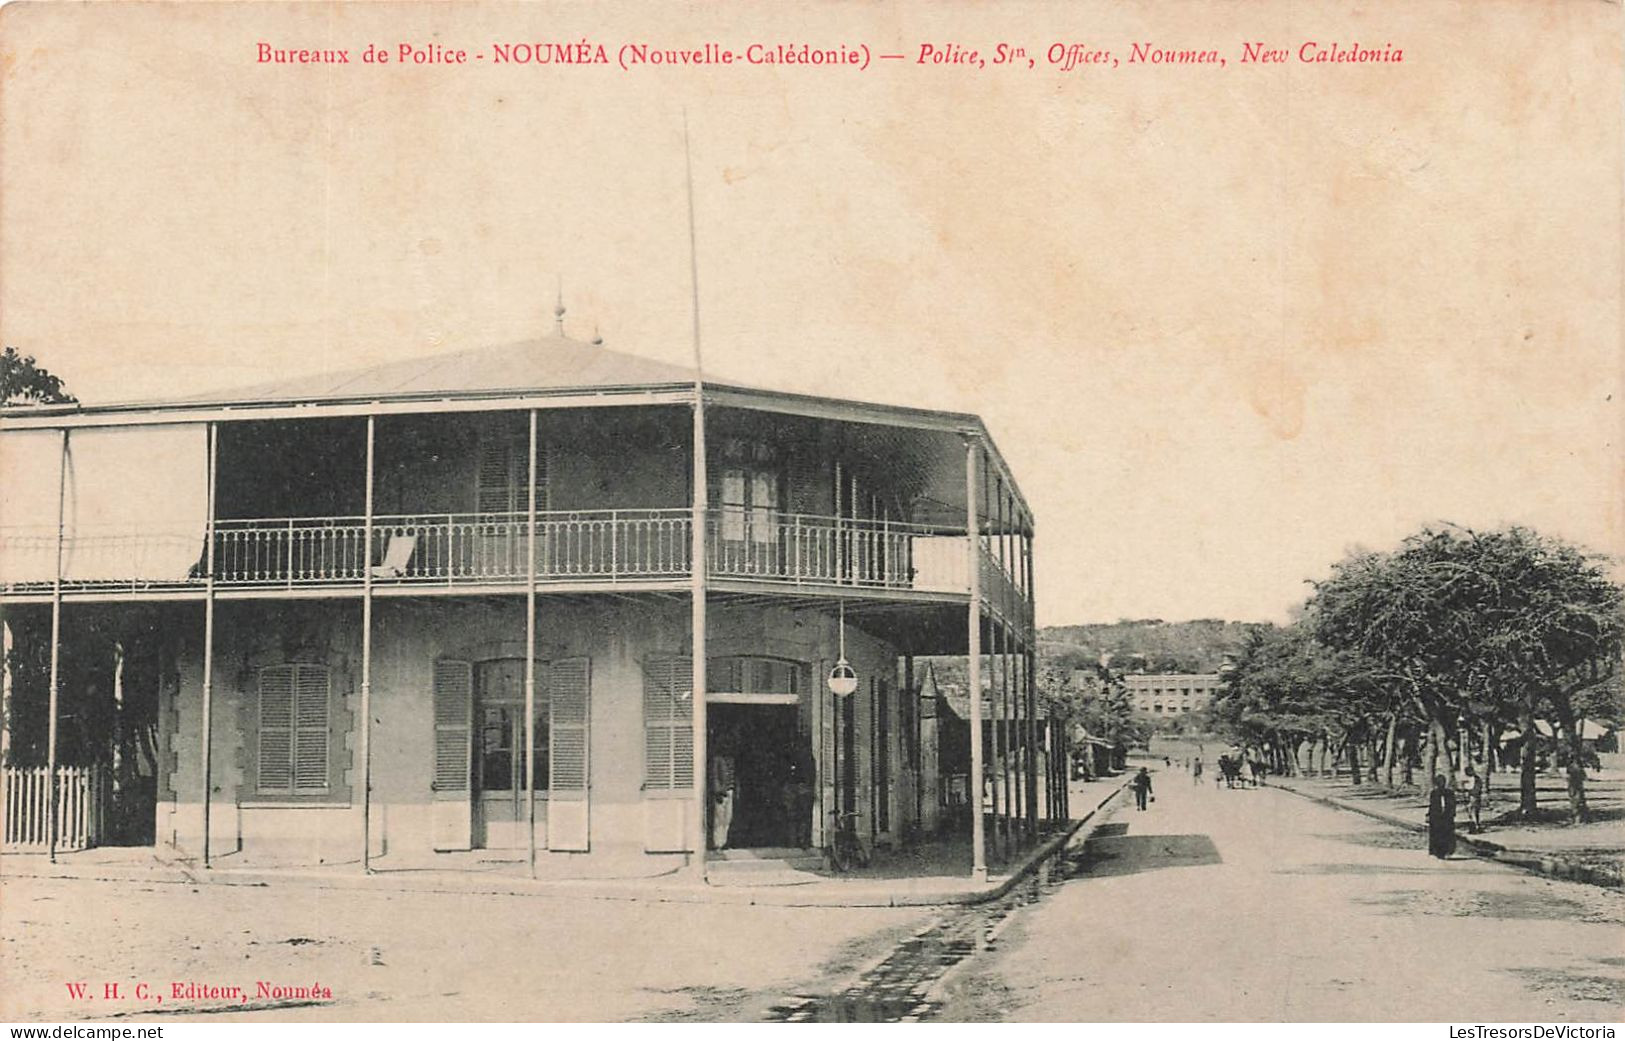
<point>530,646</point>
<point>52,823</point>
<point>1030,632</point>
<point>1001,725</point>
<point>973,652</point>
<point>206,724</point>
<point>1007,805</point>
<point>1007,717</point>
<point>366,658</point>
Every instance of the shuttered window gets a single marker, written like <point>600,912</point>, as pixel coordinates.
<point>668,724</point>
<point>453,709</point>
<point>295,708</point>
<point>502,481</point>
<point>569,709</point>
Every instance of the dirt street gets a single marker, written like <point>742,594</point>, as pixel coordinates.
<point>1212,905</point>
<point>394,956</point>
<point>1255,904</point>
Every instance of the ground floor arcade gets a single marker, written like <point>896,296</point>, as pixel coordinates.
<point>607,772</point>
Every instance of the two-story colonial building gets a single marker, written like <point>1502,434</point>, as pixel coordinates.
<point>463,603</point>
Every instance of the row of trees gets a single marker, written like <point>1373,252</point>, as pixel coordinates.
<point>1100,704</point>
<point>1431,652</point>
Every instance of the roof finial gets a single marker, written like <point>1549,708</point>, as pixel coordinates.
<point>558,308</point>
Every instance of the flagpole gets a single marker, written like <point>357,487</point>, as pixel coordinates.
<point>697,547</point>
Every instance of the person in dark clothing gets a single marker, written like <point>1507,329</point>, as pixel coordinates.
<point>799,793</point>
<point>1441,819</point>
<point>1142,788</point>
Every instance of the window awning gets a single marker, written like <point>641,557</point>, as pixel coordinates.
<point>134,503</point>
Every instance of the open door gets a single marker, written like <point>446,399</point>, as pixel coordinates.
<point>453,817</point>
<point>569,765</point>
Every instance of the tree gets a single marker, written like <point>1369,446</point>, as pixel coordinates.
<point>1553,636</point>
<point>25,381</point>
<point>1095,698</point>
<point>1491,626</point>
<point>1286,689</point>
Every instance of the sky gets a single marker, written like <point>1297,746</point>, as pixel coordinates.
<point>1226,324</point>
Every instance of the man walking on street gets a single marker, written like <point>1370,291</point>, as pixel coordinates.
<point>1196,771</point>
<point>1142,788</point>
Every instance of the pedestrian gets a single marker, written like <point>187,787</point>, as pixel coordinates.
<point>724,782</point>
<point>1142,788</point>
<point>1257,768</point>
<point>799,792</point>
<point>1575,773</point>
<point>1441,819</point>
<point>1196,770</point>
<point>1472,786</point>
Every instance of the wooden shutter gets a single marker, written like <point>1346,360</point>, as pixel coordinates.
<point>453,723</point>
<point>668,724</point>
<point>276,729</point>
<point>311,693</point>
<point>502,480</point>
<point>494,483</point>
<point>805,493</point>
<point>569,719</point>
<point>453,818</point>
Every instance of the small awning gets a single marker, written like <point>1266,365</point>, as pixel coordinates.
<point>134,503</point>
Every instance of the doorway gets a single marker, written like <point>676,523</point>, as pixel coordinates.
<point>772,766</point>
<point>500,820</point>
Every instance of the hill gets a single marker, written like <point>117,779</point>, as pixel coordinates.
<point>1146,645</point>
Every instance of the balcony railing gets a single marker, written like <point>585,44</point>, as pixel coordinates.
<point>599,546</point>
<point>452,549</point>
<point>1000,587</point>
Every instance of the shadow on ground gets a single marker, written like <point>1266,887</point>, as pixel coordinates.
<point>1538,905</point>
<point>1383,839</point>
<point>1555,815</point>
<point>1369,869</point>
<point>1104,856</point>
<point>1574,986</point>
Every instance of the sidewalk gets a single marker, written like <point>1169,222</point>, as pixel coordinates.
<point>930,874</point>
<point>1593,852</point>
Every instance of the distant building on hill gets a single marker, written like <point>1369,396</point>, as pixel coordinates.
<point>1171,693</point>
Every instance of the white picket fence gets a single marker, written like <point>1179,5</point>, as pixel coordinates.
<point>81,800</point>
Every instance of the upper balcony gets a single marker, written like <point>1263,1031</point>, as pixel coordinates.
<point>574,550</point>
<point>269,494</point>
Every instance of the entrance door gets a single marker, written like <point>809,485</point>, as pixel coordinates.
<point>499,766</point>
<point>773,776</point>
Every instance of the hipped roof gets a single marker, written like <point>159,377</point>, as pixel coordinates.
<point>547,363</point>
